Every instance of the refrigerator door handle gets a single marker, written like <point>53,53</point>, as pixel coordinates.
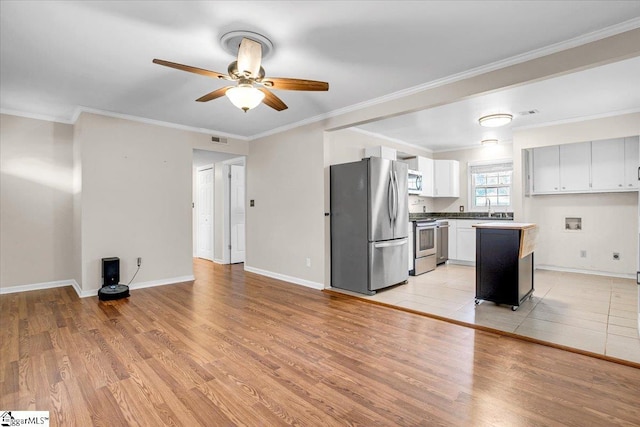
<point>390,244</point>
<point>395,210</point>
<point>390,199</point>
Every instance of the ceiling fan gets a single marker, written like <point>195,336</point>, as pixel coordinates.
<point>252,87</point>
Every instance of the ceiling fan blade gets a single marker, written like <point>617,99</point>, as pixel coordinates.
<point>283,83</point>
<point>191,69</point>
<point>249,57</point>
<point>213,95</point>
<point>271,100</point>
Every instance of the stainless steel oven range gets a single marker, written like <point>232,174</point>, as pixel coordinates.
<point>424,237</point>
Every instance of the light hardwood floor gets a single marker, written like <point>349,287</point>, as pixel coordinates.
<point>235,348</point>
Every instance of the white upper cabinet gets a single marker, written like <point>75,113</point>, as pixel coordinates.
<point>426,167</point>
<point>608,164</point>
<point>575,161</point>
<point>446,178</point>
<point>597,166</point>
<point>615,164</point>
<point>546,169</point>
<point>631,162</point>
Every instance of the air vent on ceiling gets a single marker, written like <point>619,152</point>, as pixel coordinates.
<point>528,112</point>
<point>218,140</point>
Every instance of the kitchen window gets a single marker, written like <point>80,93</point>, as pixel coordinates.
<point>490,183</point>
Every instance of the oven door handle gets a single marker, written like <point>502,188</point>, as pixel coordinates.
<point>390,244</point>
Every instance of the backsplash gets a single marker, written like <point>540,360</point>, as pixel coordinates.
<point>458,215</point>
<point>419,204</point>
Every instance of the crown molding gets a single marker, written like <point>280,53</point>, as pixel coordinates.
<point>144,120</point>
<point>36,116</point>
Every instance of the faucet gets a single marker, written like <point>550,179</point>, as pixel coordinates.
<point>488,202</point>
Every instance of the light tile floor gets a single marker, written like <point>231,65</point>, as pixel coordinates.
<point>593,313</point>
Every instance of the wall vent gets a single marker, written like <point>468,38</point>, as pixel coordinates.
<point>218,140</point>
<point>528,112</point>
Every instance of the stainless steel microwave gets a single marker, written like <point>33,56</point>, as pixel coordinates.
<point>415,182</point>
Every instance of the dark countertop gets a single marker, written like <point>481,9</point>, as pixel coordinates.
<point>499,216</point>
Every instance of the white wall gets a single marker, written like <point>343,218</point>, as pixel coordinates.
<point>36,201</point>
<point>609,220</point>
<point>286,226</point>
<point>72,194</point>
<point>136,200</point>
<point>480,153</point>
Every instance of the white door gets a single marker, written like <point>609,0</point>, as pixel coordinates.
<point>236,214</point>
<point>204,206</point>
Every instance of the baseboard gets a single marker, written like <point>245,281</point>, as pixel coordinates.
<point>219,261</point>
<point>162,282</point>
<point>285,278</point>
<point>92,292</point>
<point>39,286</point>
<point>579,271</point>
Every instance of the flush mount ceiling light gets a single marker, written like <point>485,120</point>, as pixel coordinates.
<point>489,141</point>
<point>495,120</point>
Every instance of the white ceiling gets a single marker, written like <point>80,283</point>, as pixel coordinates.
<point>57,56</point>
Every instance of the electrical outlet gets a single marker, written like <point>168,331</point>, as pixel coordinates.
<point>616,256</point>
<point>308,262</point>
<point>583,254</point>
<point>139,261</point>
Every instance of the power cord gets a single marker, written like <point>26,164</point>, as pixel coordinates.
<point>134,275</point>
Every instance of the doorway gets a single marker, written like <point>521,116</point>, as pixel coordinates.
<point>211,204</point>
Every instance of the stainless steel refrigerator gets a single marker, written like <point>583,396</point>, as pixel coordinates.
<point>369,225</point>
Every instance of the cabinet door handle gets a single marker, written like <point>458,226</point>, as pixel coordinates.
<point>619,185</point>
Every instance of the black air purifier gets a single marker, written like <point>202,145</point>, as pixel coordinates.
<point>111,289</point>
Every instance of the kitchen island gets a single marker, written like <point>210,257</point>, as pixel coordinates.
<point>504,262</point>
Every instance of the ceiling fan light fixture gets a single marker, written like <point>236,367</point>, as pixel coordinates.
<point>495,120</point>
<point>245,97</point>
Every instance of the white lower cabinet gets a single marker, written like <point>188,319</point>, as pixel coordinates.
<point>466,244</point>
<point>464,237</point>
<point>453,244</point>
<point>410,245</point>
